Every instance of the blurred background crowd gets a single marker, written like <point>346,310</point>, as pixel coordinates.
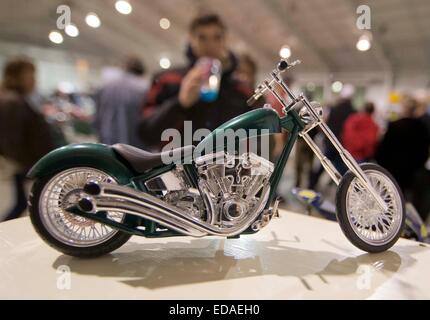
<point>123,71</point>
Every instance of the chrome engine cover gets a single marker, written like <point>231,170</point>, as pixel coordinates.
<point>232,184</point>
<point>175,188</point>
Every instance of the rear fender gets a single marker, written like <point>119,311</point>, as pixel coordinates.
<point>94,155</point>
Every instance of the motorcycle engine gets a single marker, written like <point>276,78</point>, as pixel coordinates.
<point>232,184</point>
<point>175,188</point>
<point>230,187</point>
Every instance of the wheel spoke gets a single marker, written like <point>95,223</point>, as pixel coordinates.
<point>63,191</point>
<point>368,221</point>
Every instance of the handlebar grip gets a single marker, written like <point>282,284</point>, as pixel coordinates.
<point>282,65</point>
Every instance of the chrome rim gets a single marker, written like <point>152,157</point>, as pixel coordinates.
<point>63,191</point>
<point>369,222</point>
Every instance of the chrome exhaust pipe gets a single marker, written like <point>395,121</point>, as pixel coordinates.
<point>99,201</point>
<point>129,208</point>
<point>110,197</point>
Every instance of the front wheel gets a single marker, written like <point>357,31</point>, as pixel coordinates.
<point>361,219</point>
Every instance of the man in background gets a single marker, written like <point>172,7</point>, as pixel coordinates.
<point>175,94</point>
<point>118,105</point>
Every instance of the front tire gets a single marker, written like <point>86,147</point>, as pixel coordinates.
<point>360,218</point>
<point>64,231</point>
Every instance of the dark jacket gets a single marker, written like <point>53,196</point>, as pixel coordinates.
<point>404,150</point>
<point>25,136</point>
<point>336,119</point>
<point>162,109</point>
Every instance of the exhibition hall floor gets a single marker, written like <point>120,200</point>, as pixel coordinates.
<point>294,257</point>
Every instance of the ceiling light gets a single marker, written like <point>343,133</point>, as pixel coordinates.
<point>165,63</point>
<point>123,7</point>
<point>363,44</point>
<point>56,37</point>
<point>310,86</point>
<point>72,30</point>
<point>92,20</point>
<point>337,86</point>
<point>285,52</point>
<point>164,23</point>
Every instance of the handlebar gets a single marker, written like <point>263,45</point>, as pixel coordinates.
<point>282,66</point>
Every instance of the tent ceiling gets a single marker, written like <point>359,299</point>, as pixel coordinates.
<point>322,34</point>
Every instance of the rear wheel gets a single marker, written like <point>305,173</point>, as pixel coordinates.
<point>65,231</point>
<point>361,219</point>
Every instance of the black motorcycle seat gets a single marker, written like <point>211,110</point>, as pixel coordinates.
<point>141,160</point>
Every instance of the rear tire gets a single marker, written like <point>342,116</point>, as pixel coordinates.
<point>55,225</point>
<point>364,224</point>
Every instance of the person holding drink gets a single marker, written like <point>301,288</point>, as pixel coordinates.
<point>204,92</point>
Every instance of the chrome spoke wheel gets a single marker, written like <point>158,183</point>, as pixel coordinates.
<point>368,221</point>
<point>63,191</point>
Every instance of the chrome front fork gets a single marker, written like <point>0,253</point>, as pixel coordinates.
<point>347,159</point>
<point>325,162</point>
<point>315,120</point>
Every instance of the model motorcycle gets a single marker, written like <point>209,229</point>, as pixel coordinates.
<point>89,199</point>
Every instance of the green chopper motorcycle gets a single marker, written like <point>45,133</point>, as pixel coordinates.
<point>89,199</point>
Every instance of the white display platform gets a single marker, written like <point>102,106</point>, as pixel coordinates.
<point>294,257</point>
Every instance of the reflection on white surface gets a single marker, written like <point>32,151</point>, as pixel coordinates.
<point>204,260</point>
<point>296,257</point>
